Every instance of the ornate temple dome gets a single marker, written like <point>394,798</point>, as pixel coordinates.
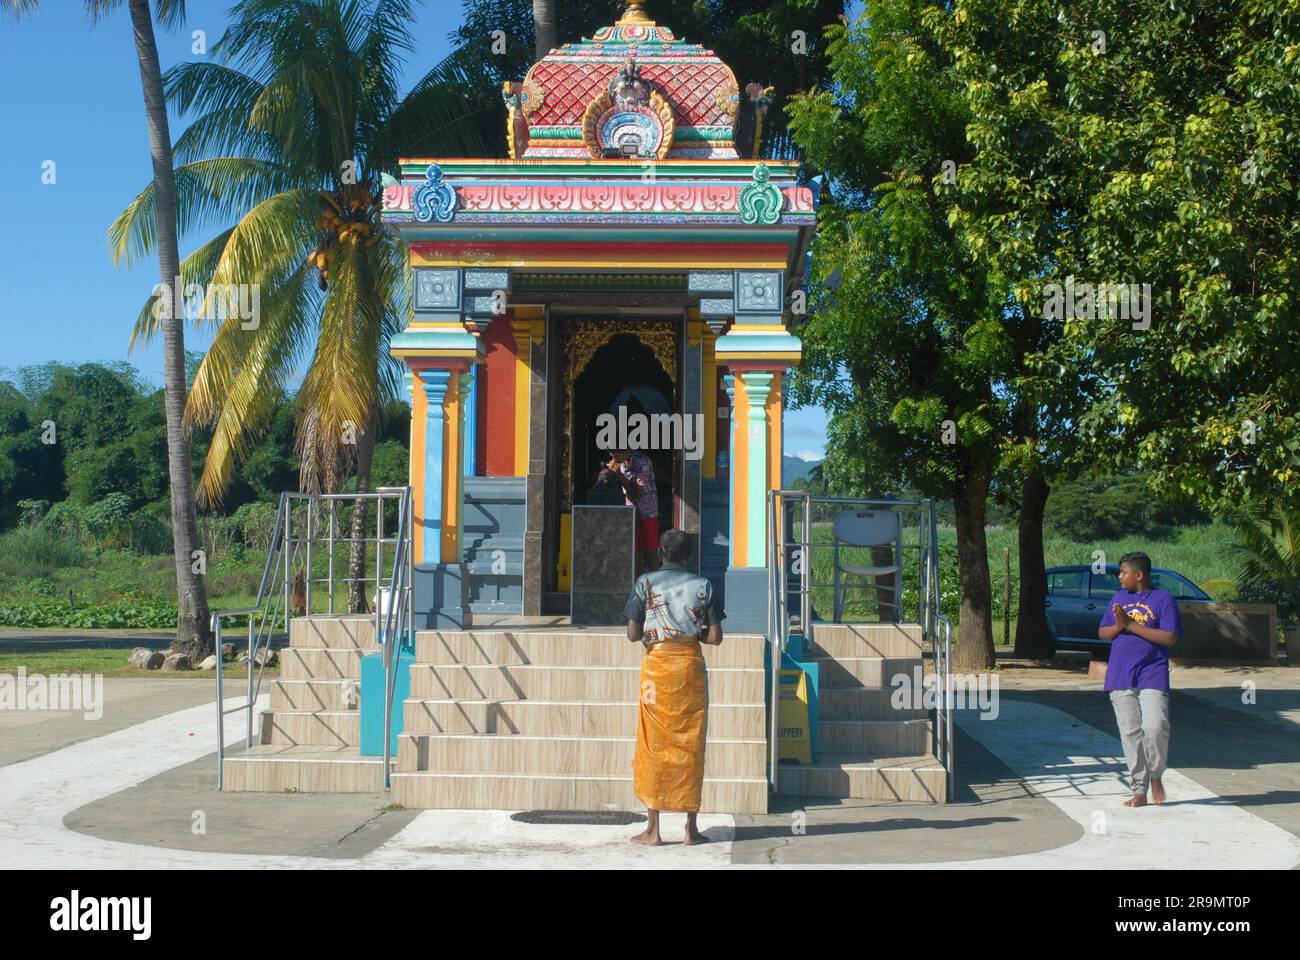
<point>633,90</point>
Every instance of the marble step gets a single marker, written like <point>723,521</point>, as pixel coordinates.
<point>537,682</point>
<point>866,640</point>
<point>873,672</point>
<point>315,694</point>
<point>881,738</point>
<point>863,703</point>
<point>512,791</point>
<point>568,649</point>
<point>564,717</point>
<point>320,663</point>
<point>573,756</point>
<point>920,778</point>
<point>272,768</point>
<point>329,728</point>
<point>351,632</point>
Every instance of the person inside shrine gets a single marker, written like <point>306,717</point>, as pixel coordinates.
<point>636,473</point>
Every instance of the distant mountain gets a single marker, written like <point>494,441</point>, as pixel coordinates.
<point>793,468</point>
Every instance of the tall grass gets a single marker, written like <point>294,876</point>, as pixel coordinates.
<point>37,552</point>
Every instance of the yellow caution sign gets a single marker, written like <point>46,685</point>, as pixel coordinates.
<point>794,739</point>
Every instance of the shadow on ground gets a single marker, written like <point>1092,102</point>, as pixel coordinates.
<point>163,812</point>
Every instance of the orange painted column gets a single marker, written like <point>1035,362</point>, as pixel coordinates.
<point>522,329</point>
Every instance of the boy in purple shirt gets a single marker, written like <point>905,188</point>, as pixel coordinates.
<point>1142,623</point>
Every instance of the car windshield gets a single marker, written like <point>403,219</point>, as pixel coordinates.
<point>1180,587</point>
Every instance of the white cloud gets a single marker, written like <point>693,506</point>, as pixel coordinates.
<point>811,456</point>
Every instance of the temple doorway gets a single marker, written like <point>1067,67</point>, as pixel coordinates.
<point>623,380</point>
<point>606,363</point>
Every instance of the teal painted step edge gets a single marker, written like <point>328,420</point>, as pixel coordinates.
<point>372,698</point>
<point>790,661</point>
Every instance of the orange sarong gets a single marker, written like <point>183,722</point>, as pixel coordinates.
<point>668,768</point>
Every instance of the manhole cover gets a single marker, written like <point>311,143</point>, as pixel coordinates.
<point>595,818</point>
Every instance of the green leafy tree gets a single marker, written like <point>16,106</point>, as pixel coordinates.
<point>913,350</point>
<point>1122,142</point>
<point>29,470</point>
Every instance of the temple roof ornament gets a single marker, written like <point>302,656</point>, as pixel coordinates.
<point>761,201</point>
<point>670,99</point>
<point>435,200</point>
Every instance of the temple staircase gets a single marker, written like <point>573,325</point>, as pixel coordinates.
<point>867,748</point>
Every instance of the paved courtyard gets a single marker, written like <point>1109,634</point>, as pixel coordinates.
<point>1038,787</point>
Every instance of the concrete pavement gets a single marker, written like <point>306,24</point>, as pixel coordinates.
<point>1040,787</point>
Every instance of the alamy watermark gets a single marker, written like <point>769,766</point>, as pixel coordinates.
<point>66,691</point>
<point>1102,301</point>
<point>655,431</point>
<point>75,913</point>
<point>213,301</point>
<point>968,692</point>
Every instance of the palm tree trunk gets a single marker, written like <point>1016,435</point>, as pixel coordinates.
<point>193,635</point>
<point>544,26</point>
<point>1031,620</point>
<point>974,652</point>
<point>357,602</point>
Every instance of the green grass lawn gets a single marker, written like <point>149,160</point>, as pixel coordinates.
<point>109,661</point>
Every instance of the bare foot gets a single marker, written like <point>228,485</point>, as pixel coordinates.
<point>647,838</point>
<point>693,837</point>
<point>1157,791</point>
<point>1137,800</point>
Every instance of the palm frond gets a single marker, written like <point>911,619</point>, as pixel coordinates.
<point>215,190</point>
<point>339,394</point>
<point>196,268</point>
<point>243,375</point>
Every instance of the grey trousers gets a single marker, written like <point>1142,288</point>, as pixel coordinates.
<point>1143,720</point>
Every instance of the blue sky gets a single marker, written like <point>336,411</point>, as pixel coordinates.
<point>72,96</point>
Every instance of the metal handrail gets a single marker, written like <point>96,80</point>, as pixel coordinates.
<point>273,595</point>
<point>398,616</point>
<point>936,630</point>
<point>941,638</point>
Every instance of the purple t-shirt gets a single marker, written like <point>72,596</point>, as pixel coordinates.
<point>1135,662</point>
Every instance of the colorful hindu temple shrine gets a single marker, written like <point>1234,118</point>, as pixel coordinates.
<point>630,253</point>
<point>631,258</point>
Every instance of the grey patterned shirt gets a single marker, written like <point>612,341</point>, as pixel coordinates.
<point>673,603</point>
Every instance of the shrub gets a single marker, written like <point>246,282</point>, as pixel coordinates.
<point>38,551</point>
<point>255,523</point>
<point>130,611</point>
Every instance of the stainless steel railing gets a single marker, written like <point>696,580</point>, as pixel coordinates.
<point>291,560</point>
<point>783,506</point>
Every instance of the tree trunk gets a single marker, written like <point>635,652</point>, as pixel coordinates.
<point>193,633</point>
<point>974,651</point>
<point>544,26</point>
<point>357,600</point>
<point>1031,619</point>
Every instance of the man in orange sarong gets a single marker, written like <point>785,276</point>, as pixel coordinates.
<point>672,611</point>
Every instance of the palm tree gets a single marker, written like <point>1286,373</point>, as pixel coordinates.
<point>1265,560</point>
<point>298,119</point>
<point>544,26</point>
<point>193,635</point>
